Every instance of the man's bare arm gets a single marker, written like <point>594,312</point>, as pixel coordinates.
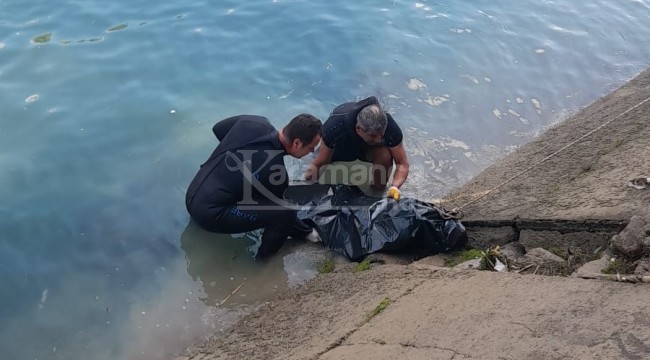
<point>317,166</point>
<point>401,164</point>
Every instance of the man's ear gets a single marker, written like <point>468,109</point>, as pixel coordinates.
<point>296,143</point>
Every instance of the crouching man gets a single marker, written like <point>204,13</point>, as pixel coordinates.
<point>363,131</point>
<point>241,185</point>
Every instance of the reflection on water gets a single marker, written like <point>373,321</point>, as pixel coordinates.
<point>228,284</point>
<point>229,275</point>
<point>223,263</point>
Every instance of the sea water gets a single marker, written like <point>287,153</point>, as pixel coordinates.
<point>106,114</point>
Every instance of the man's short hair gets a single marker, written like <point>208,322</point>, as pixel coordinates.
<point>372,119</point>
<point>304,127</point>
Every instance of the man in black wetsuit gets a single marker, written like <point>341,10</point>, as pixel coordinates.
<point>363,131</point>
<point>240,187</point>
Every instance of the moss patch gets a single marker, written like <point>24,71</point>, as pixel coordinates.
<point>378,309</point>
<point>619,266</point>
<point>362,266</point>
<point>556,250</point>
<point>325,266</point>
<point>463,256</point>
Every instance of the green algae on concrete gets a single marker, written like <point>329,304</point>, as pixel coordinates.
<point>325,266</point>
<point>619,266</point>
<point>362,266</point>
<point>463,256</point>
<point>378,309</point>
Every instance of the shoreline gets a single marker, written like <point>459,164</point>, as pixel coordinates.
<point>423,311</point>
<point>582,180</point>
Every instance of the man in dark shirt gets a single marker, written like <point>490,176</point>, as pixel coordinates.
<point>363,131</point>
<point>241,185</point>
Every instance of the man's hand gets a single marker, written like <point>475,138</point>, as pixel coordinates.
<point>394,193</point>
<point>317,166</point>
<point>309,174</point>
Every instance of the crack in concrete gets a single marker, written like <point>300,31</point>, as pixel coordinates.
<point>414,346</point>
<point>339,342</point>
<point>532,331</point>
<point>456,352</point>
<point>562,355</point>
<point>641,349</point>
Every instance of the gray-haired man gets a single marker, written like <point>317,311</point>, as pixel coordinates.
<point>363,131</point>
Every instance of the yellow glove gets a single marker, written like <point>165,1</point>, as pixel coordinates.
<point>394,193</point>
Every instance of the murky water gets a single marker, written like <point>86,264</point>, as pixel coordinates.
<point>107,110</point>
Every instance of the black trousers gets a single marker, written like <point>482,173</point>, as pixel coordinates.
<point>277,221</point>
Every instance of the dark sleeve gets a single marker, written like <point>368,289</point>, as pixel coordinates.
<point>222,128</point>
<point>333,131</point>
<point>393,135</point>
